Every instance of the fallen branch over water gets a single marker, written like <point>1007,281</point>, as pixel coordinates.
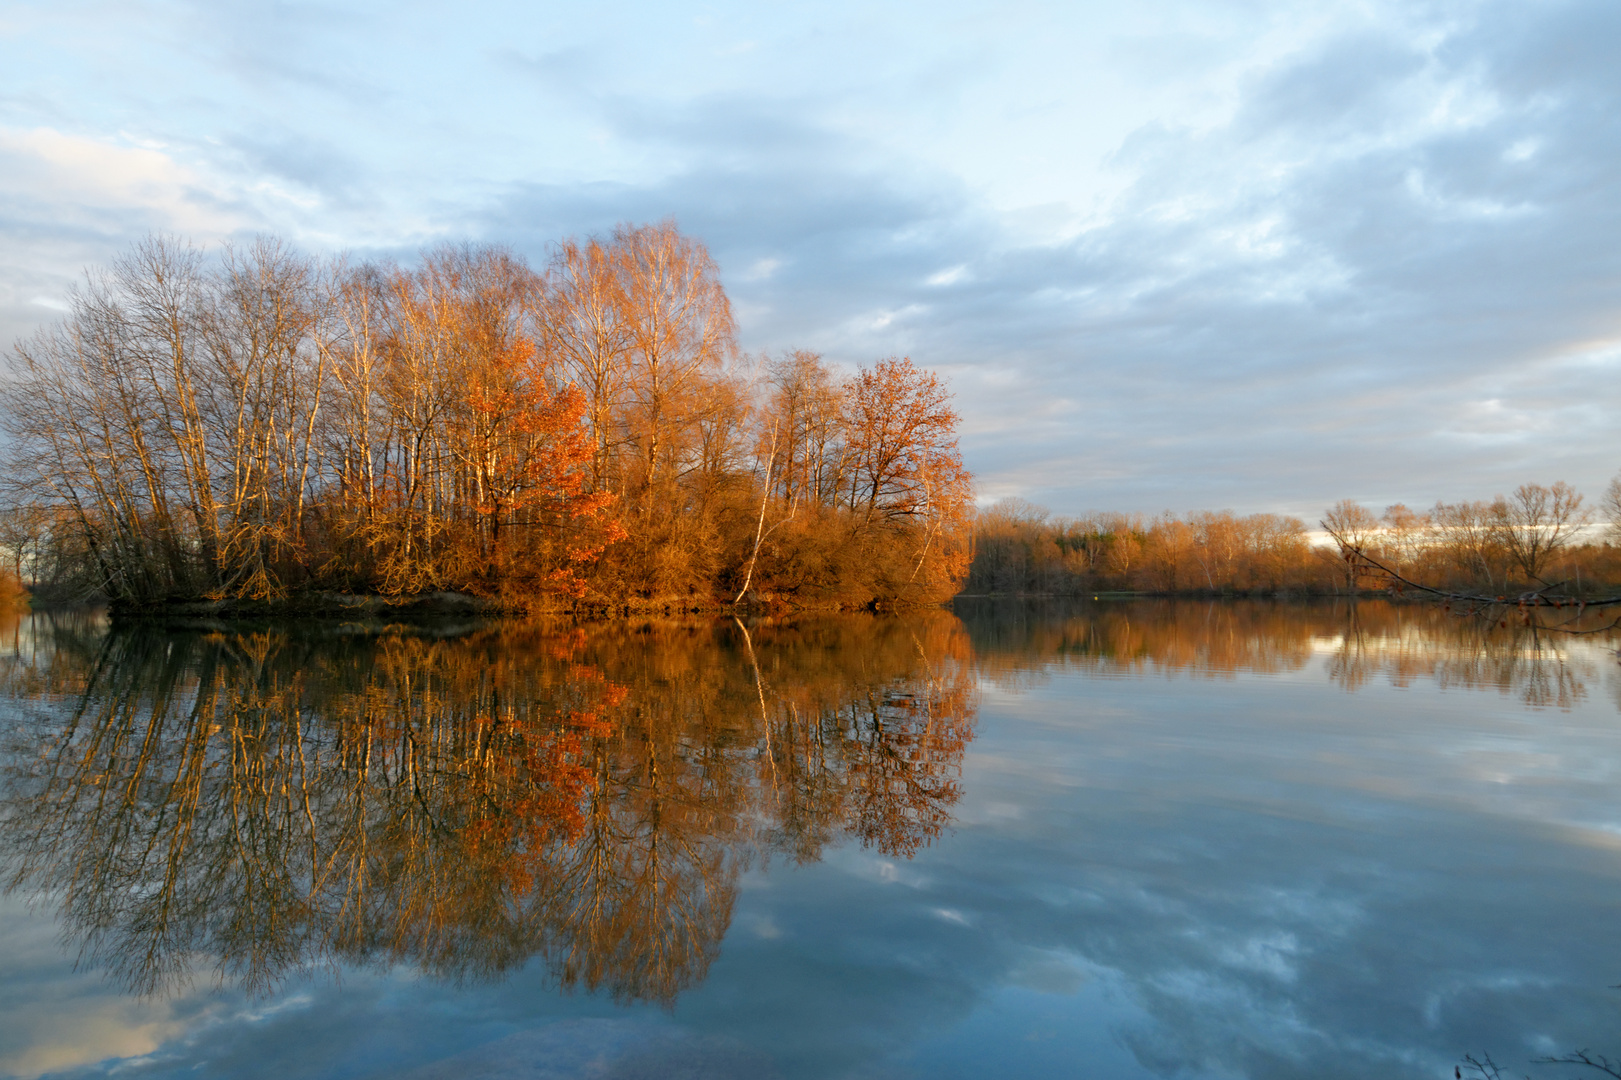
<point>1481,604</point>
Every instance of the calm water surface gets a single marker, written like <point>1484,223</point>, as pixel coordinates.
<point>1120,840</point>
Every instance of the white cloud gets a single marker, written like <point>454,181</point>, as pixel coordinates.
<point>949,276</point>
<point>763,269</point>
<point>71,178</point>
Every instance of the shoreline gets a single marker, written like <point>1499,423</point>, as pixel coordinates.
<point>443,606</point>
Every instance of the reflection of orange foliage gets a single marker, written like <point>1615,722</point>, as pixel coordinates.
<point>11,591</point>
<point>531,800</point>
<point>585,792</point>
<point>907,772</point>
<point>1213,638</point>
<point>1358,641</point>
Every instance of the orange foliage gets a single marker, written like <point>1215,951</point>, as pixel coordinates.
<point>583,436</point>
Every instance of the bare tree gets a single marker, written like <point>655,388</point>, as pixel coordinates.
<point>1466,533</point>
<point>681,332</point>
<point>1610,507</point>
<point>1537,522</point>
<point>1405,533</point>
<point>586,329</point>
<point>23,529</point>
<point>805,404</point>
<point>1355,529</point>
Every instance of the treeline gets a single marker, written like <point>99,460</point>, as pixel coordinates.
<point>1020,548</point>
<point>274,802</point>
<point>1535,537</point>
<point>261,423</point>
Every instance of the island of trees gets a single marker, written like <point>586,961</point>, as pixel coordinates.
<point>259,427</point>
<point>256,425</point>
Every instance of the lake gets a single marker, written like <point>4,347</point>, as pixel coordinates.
<point>1116,839</point>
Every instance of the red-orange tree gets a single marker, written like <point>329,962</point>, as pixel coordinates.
<point>490,479</point>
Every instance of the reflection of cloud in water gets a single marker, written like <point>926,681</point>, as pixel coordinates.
<point>1292,882</point>
<point>114,1029</point>
<point>1254,875</point>
<point>602,1050</point>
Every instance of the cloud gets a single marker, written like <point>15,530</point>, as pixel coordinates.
<point>1354,252</point>
<point>1359,284</point>
<point>71,201</point>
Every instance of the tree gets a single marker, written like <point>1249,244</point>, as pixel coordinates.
<point>23,529</point>
<point>903,439</point>
<point>498,459</point>
<point>1610,507</point>
<point>1537,522</point>
<point>253,424</point>
<point>1404,534</point>
<point>172,414</point>
<point>587,330</point>
<point>1467,534</point>
<point>1354,528</point>
<point>680,332</point>
<point>804,406</point>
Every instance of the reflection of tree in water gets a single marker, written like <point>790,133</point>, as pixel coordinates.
<point>1362,641</point>
<point>1016,643</point>
<point>1405,642</point>
<point>279,800</point>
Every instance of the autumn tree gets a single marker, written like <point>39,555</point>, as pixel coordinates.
<point>904,469</point>
<point>804,412</point>
<point>496,456</point>
<point>680,332</point>
<point>1405,534</point>
<point>1021,548</point>
<point>902,434</point>
<point>1013,550</point>
<point>587,330</point>
<point>257,424</point>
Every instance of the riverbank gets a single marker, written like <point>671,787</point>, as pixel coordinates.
<point>440,605</point>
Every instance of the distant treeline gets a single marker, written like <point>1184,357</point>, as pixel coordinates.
<point>1019,547</point>
<point>1535,537</point>
<point>259,424</point>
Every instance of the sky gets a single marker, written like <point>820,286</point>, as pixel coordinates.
<point>1251,255</point>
